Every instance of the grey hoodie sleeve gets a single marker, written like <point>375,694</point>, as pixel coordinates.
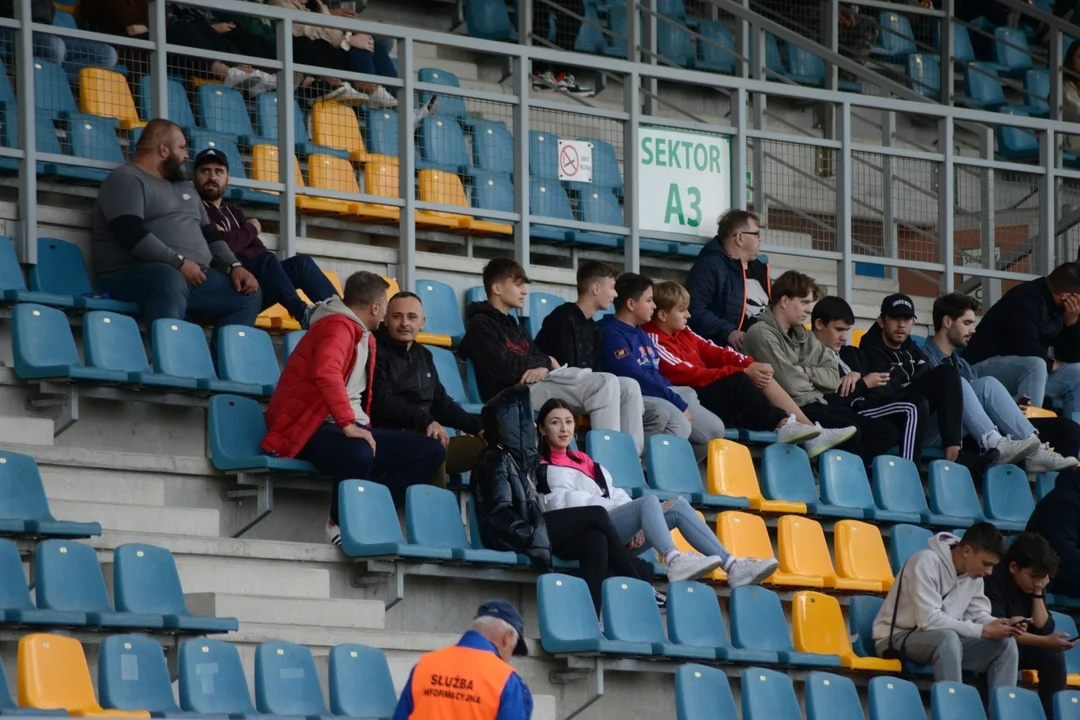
<point>925,595</point>
<point>979,610</point>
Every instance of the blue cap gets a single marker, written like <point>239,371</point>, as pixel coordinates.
<point>505,611</point>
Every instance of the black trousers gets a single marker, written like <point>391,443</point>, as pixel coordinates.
<point>1062,433</point>
<point>586,534</point>
<point>737,401</point>
<point>944,396</point>
<point>873,437</point>
<point>1052,673</point>
<point>237,41</point>
<point>908,414</point>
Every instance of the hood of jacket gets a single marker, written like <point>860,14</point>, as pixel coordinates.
<point>334,306</point>
<point>508,423</point>
<point>875,340</point>
<point>796,337</point>
<point>488,311</point>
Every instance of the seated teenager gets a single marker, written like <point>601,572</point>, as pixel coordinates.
<point>1057,518</point>
<point>731,385</point>
<point>321,409</point>
<point>573,480</point>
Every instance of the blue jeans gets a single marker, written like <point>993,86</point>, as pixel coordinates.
<point>1029,376</point>
<point>373,63</point>
<point>163,293</point>
<point>988,407</point>
<point>647,515</point>
<point>280,279</point>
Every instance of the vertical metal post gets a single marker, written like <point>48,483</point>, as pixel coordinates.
<point>631,171</point>
<point>988,221</point>
<point>633,30</point>
<point>1054,61</point>
<point>761,201</point>
<point>830,22</point>
<point>742,44</point>
<point>948,42</point>
<point>1048,201</point>
<point>24,75</point>
<point>524,22</point>
<point>738,152</point>
<point>159,64</point>
<point>844,184</point>
<point>946,203</point>
<point>406,270</point>
<point>287,140</point>
<point>888,214</point>
<point>522,192</point>
<point>651,42</point>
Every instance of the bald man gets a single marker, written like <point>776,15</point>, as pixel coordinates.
<point>153,243</point>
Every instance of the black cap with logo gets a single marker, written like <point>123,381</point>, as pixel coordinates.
<point>211,155</point>
<point>898,305</point>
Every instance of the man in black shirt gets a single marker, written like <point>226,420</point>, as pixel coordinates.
<point>1016,589</point>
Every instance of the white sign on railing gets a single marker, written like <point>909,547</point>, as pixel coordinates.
<point>684,181</point>
<point>575,160</point>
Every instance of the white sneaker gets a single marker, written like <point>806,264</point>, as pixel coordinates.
<point>828,439</point>
<point>431,107</point>
<point>332,533</point>
<point>267,82</point>
<point>351,96</point>
<point>691,566</point>
<point>748,571</point>
<point>237,78</point>
<point>381,99</point>
<point>793,431</point>
<point>546,80</point>
<point>1010,451</point>
<point>1046,460</point>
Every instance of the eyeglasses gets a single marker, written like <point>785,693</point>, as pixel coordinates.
<point>749,232</point>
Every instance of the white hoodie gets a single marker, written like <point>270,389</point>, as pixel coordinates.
<point>934,596</point>
<point>569,487</point>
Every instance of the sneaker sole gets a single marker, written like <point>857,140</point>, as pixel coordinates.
<point>1021,452</point>
<point>808,434</point>
<point>1059,467</point>
<point>698,574</point>
<point>759,578</point>
<point>825,447</point>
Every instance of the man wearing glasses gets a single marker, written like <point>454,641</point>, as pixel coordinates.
<point>728,285</point>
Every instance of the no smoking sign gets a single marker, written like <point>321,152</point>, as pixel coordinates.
<point>575,160</point>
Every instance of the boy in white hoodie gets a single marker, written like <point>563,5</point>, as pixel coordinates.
<point>938,614</point>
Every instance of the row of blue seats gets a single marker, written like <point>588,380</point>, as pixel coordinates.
<point>24,509</point>
<point>69,588</point>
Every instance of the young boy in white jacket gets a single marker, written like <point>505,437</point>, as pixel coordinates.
<point>938,615</point>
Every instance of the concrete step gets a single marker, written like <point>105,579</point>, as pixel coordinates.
<point>26,430</point>
<point>244,577</point>
<point>92,485</point>
<point>140,518</point>
<point>339,614</point>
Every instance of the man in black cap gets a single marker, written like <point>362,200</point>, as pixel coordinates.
<point>472,679</point>
<point>279,279</point>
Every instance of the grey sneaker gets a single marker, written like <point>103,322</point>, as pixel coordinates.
<point>1046,460</point>
<point>793,431</point>
<point>828,439</point>
<point>691,566</point>
<point>1010,451</point>
<point>748,571</point>
<point>332,533</point>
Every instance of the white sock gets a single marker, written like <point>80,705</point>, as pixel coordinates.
<point>728,563</point>
<point>671,555</point>
<point>991,439</point>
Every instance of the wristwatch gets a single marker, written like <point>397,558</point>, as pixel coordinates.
<point>233,267</point>
<point>181,260</point>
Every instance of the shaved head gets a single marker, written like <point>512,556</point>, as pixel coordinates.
<point>162,149</point>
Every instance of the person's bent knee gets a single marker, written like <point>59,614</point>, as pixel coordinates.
<point>681,505</point>
<point>947,644</point>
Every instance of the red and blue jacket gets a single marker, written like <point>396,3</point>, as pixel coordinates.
<point>628,352</point>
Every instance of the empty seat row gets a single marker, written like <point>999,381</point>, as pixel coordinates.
<point>24,509</point>
<point>59,279</point>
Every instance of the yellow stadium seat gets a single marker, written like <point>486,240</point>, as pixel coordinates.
<point>381,179</point>
<point>680,543</point>
<point>817,626</point>
<point>731,472</point>
<point>336,126</point>
<point>860,553</point>
<point>328,172</point>
<point>106,93</point>
<point>53,675</point>
<point>264,166</point>
<point>803,551</point>
<point>394,288</point>
<point>1037,412</point>
<point>745,535</point>
<point>437,186</point>
<point>856,337</point>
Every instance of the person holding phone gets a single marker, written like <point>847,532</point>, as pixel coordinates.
<point>1016,589</point>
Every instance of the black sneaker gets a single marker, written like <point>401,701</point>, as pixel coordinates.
<point>567,84</point>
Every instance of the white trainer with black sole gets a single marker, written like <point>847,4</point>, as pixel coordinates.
<point>1046,460</point>
<point>828,439</point>
<point>332,533</point>
<point>749,571</point>
<point>691,566</point>
<point>793,431</point>
<point>1011,451</point>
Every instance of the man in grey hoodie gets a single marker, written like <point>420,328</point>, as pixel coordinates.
<point>937,613</point>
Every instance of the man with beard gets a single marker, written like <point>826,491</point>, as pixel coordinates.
<point>154,244</point>
<point>278,279</point>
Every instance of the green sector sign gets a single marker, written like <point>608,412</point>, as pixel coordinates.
<point>684,181</point>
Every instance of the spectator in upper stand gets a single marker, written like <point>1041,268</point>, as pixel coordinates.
<point>72,53</point>
<point>1070,94</point>
<point>734,387</point>
<point>629,352</point>
<point>547,76</point>
<point>937,614</point>
<point>728,285</point>
<point>278,279</point>
<point>1057,518</point>
<point>321,409</point>
<point>1017,589</point>
<point>409,394</point>
<point>571,336</point>
<point>1018,332</point>
<point>503,355</point>
<point>154,244</point>
<point>987,404</point>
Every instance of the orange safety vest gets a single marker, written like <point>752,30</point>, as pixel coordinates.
<point>458,683</point>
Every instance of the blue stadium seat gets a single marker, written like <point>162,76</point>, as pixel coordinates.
<point>831,697</point>
<point>9,115</point>
<point>694,618</point>
<point>615,40</point>
<point>61,270</point>
<point>898,487</point>
<point>286,682</point>
<point>616,452</point>
<point>768,695</point>
<point>540,306</point>
<point>803,66</point>
<point>758,625</point>
<point>710,55</point>
<point>891,698</point>
<point>951,700</point>
<point>844,483</point>
<point>774,64</point>
<point>112,342</point>
<point>489,20</point>
<point>1011,52</point>
<point>963,52</point>
<point>212,680</point>
<point>547,198</point>
<point>1065,623</point>
<point>442,309</point>
<point>90,137</point>
<point>24,507</point>
<point>266,126</point>
<point>246,355</point>
<point>492,192</point>
<point>493,148</point>
<point>16,607</point>
<point>290,341</point>
<point>1067,705</point>
<point>433,519</point>
<point>441,143</point>
<point>236,426</point>
<point>672,469</point>
<point>69,579</point>
<point>179,348</point>
<point>1007,497</point>
<point>601,207</point>
<point>952,493</point>
<point>673,43</point>
<point>924,74</point>
<point>179,108</point>
<point>862,609</point>
<point>52,91</point>
<point>478,542</point>
<point>470,381</point>
<point>786,475</point>
<point>199,140</point>
<point>703,693</point>
<point>1044,483</point>
<point>1037,83</point>
<point>606,173</point>
<point>631,615</point>
<point>146,582</point>
<point>451,106</point>
<point>360,683</point>
<point>1014,143</point>
<point>382,133</point>
<point>568,622</point>
<point>1013,703</point>
<point>13,287</point>
<point>369,524</point>
<point>982,87</point>
<point>132,675</point>
<point>896,40</point>
<point>450,377</point>
<point>543,155</point>
<point>223,111</point>
<point>904,541</point>
<point>44,348</point>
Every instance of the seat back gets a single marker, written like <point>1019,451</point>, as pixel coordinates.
<point>179,107</point>
<point>547,198</point>
<point>492,192</point>
<point>53,674</point>
<point>335,126</point>
<point>786,474</point>
<point>843,480</point>
<point>235,426</point>
<point>441,307</point>
<point>330,172</point>
<point>441,142</point>
<point>896,37</point>
<point>199,140</point>
<point>11,277</point>
<point>897,485</point>
<point>544,155</point>
<point>891,698</point>
<point>433,518</point>
<point>600,206</point>
<point>963,52</point>
<point>22,494</point>
<point>106,93</point>
<point>246,354</point>
<point>14,592</point>
<point>904,541</point>
<point>360,682</point>
<point>212,680</point>
<point>616,452</point>
<point>803,550</point>
<point>382,132</point>
<point>757,620</point>
<point>264,166</point>
<point>452,106</point>
<point>69,578</point>
<point>831,697</point>
<point>540,306</point>
<point>292,339</point>
<point>982,85</point>
<point>1013,142</point>
<point>61,269</point>
<point>630,611</point>
<point>862,610</point>
<point>489,20</point>
<point>1007,494</point>
<point>112,341</point>
<point>860,552</point>
<point>266,118</point>
<point>1044,483</point>
<point>744,534</point>
<point>1037,82</point>
<point>438,186</point>
<point>367,515</point>
<point>381,177</point>
<point>1011,49</point>
<point>52,92</point>
<point>94,139</point>
<point>449,375</point>
<point>7,703</point>
<point>146,581</point>
<point>731,470</point>
<point>809,67</point>
<point>671,464</point>
<point>1065,623</point>
<point>694,616</point>
<point>767,694</point>
<point>223,110</point>
<point>564,610</point>
<point>286,682</point>
<point>924,74</point>
<point>1013,703</point>
<point>674,43</point>
<point>1067,705</point>
<point>817,624</point>
<point>179,348</point>
<point>703,693</point>
<point>132,675</point>
<point>952,491</point>
<point>41,337</point>
<point>711,53</point>
<point>950,700</point>
<point>493,147</point>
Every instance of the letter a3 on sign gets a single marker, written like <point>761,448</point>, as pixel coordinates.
<point>684,181</point>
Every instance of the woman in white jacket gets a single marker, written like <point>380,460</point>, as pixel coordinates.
<point>571,479</point>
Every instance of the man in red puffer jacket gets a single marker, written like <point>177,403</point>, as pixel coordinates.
<point>320,411</point>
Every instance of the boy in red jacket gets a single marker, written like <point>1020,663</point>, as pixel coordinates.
<point>734,387</point>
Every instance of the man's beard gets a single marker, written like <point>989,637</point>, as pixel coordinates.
<point>173,170</point>
<point>211,194</point>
